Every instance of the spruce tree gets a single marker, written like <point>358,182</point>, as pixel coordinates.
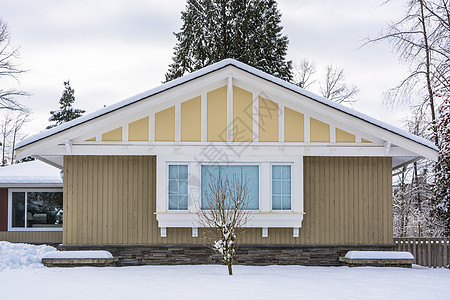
<point>248,31</point>
<point>66,112</point>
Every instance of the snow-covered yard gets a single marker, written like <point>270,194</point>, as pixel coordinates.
<point>34,281</point>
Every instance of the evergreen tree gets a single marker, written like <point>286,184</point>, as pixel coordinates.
<point>66,112</point>
<point>248,31</point>
<point>442,184</point>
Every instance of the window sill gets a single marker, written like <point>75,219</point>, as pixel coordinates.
<point>258,219</point>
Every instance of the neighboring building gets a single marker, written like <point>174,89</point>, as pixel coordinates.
<point>31,203</point>
<point>320,173</point>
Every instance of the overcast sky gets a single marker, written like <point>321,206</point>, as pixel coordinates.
<point>114,49</point>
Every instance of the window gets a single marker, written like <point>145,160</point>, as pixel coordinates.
<point>40,210</point>
<point>249,173</point>
<point>281,187</point>
<point>178,187</point>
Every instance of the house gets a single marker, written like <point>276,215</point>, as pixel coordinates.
<point>31,203</point>
<point>135,172</point>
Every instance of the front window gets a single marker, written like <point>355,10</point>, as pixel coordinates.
<point>248,173</point>
<point>178,187</point>
<point>36,210</point>
<point>281,187</point>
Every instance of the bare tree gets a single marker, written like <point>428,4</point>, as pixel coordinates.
<point>224,215</point>
<point>421,40</point>
<point>334,87</point>
<point>5,131</point>
<point>302,73</point>
<point>20,120</point>
<point>9,69</point>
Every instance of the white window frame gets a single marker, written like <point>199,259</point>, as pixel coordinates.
<point>292,186</point>
<point>27,190</point>
<point>167,185</point>
<point>265,217</point>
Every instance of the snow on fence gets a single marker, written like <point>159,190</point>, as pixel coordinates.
<point>428,252</point>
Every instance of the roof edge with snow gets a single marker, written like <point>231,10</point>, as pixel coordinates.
<point>214,67</point>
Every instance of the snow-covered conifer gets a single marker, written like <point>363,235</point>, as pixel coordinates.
<point>442,184</point>
<point>248,31</point>
<point>66,112</point>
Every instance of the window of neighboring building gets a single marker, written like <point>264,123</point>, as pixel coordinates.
<point>281,187</point>
<point>178,187</point>
<point>249,174</point>
<point>40,210</point>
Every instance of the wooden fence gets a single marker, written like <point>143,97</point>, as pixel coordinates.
<point>428,252</point>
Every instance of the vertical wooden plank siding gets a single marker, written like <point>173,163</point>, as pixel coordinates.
<point>347,200</point>
<point>31,236</point>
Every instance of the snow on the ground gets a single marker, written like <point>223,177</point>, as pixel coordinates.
<point>379,255</point>
<point>79,254</point>
<point>25,281</point>
<point>13,256</point>
<point>212,282</point>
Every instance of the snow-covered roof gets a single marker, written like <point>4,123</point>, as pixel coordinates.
<point>30,174</point>
<point>214,67</point>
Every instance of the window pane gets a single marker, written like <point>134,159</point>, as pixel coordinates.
<point>173,186</point>
<point>276,172</point>
<point>183,172</point>
<point>173,172</point>
<point>286,187</point>
<point>18,209</point>
<point>286,202</point>
<point>276,202</point>
<point>276,187</point>
<point>281,187</point>
<point>249,174</point>
<point>44,209</point>
<point>178,187</point>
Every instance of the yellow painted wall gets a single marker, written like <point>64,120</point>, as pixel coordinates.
<point>268,120</point>
<point>138,130</point>
<point>113,135</point>
<point>293,126</point>
<point>365,141</point>
<point>112,200</point>
<point>92,139</point>
<point>217,115</point>
<point>191,121</point>
<point>242,115</point>
<point>344,136</point>
<point>165,125</point>
<point>320,131</point>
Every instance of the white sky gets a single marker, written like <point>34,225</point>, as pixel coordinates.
<point>114,49</point>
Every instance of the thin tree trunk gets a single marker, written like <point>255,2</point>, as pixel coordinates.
<point>230,270</point>
<point>13,145</point>
<point>427,73</point>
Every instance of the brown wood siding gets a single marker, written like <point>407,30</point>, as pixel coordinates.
<point>111,200</point>
<point>31,236</point>
<point>3,209</point>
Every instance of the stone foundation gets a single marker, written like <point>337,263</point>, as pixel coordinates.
<point>307,255</point>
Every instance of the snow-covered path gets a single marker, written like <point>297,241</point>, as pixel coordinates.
<point>212,282</point>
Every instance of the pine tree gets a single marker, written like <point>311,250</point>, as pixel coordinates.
<point>66,112</point>
<point>248,31</point>
<point>442,184</point>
